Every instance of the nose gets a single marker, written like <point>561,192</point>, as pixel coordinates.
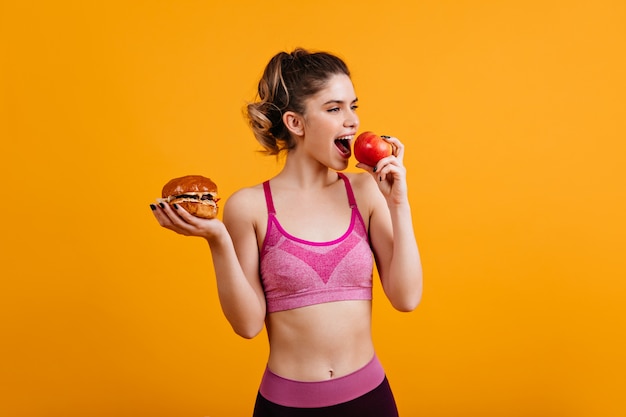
<point>352,120</point>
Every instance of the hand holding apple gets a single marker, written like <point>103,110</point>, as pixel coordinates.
<point>369,148</point>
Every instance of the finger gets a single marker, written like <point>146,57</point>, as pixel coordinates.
<point>180,216</point>
<point>161,217</point>
<point>391,172</point>
<point>365,167</point>
<point>372,171</point>
<point>397,146</point>
<point>170,219</point>
<point>388,160</point>
<point>377,171</point>
<point>184,215</point>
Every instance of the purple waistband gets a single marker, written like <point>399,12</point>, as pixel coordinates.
<point>290,393</point>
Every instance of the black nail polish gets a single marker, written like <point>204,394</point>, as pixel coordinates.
<point>152,207</point>
<point>161,205</point>
<point>375,168</point>
<point>176,206</point>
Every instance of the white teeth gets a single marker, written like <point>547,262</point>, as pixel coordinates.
<point>349,137</point>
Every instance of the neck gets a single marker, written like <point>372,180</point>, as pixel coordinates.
<point>307,173</point>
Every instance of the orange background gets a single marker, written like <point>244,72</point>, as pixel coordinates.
<point>513,115</point>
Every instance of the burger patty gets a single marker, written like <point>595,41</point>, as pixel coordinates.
<point>195,196</point>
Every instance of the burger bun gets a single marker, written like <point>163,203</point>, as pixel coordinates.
<point>194,193</point>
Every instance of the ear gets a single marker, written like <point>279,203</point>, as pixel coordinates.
<point>294,123</point>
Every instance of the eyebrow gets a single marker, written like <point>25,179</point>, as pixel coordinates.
<point>340,101</point>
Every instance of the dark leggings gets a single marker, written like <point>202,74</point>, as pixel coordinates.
<point>377,403</point>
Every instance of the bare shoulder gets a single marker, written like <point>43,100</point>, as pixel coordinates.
<point>245,201</point>
<point>245,196</point>
<point>366,192</point>
<point>363,185</point>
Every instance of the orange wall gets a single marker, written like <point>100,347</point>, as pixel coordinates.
<point>513,115</point>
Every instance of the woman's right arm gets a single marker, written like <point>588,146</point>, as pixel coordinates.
<point>235,255</point>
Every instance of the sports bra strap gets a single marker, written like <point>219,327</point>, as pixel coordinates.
<point>268,198</point>
<point>351,198</point>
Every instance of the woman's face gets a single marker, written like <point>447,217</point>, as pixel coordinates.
<point>331,122</point>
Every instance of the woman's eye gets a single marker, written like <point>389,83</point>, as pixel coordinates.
<point>334,109</point>
<point>355,107</point>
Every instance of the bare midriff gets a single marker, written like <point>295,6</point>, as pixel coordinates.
<point>322,341</point>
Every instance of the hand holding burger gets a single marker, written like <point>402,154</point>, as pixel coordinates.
<point>195,193</point>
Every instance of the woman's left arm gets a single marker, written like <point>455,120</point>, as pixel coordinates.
<point>391,230</point>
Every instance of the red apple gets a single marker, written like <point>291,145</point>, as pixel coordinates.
<point>369,148</point>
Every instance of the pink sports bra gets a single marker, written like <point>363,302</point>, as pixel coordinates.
<point>297,272</point>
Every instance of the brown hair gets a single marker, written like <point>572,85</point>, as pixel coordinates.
<point>287,81</point>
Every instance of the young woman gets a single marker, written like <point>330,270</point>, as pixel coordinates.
<point>296,253</point>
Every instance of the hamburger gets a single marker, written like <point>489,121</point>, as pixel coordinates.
<point>194,193</point>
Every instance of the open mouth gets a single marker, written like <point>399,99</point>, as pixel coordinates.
<point>343,145</point>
